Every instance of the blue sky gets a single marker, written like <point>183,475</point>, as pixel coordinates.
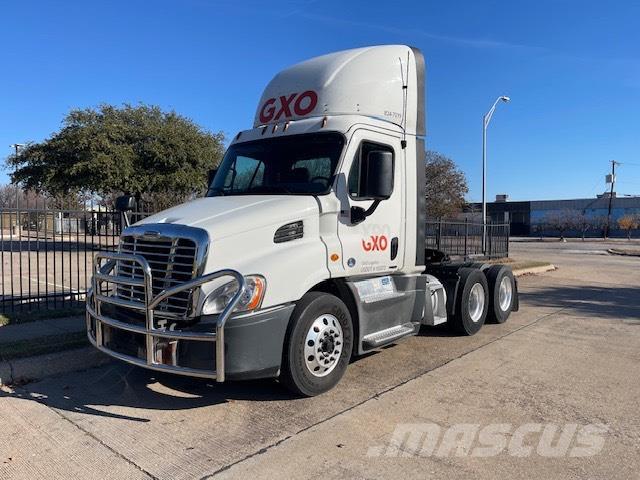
<point>571,67</point>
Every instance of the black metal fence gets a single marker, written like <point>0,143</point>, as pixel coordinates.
<point>464,238</point>
<point>46,254</point>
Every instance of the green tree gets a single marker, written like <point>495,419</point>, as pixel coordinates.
<point>136,150</point>
<point>446,186</point>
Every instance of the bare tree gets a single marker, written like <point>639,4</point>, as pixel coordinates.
<point>539,228</point>
<point>26,198</point>
<point>30,199</point>
<point>600,223</point>
<point>628,223</point>
<point>562,221</point>
<point>584,223</point>
<point>7,196</point>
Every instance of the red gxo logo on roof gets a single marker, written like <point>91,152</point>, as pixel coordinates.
<point>299,104</point>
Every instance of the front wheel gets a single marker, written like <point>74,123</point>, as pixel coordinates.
<point>318,344</point>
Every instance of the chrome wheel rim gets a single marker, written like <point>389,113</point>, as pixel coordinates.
<point>323,345</point>
<point>476,302</point>
<point>505,293</point>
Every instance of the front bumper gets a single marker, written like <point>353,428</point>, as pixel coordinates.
<point>250,346</point>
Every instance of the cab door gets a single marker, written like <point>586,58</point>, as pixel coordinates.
<point>375,245</point>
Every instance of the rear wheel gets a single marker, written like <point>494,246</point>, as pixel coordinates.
<point>318,344</point>
<point>472,302</point>
<point>502,293</point>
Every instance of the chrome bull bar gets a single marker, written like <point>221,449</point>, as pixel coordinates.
<point>103,273</point>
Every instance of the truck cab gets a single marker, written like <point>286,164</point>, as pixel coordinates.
<point>309,245</point>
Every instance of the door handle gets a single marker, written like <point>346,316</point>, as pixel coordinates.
<point>394,248</point>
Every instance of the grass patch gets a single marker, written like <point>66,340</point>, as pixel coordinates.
<point>14,318</point>
<point>528,264</point>
<point>43,345</point>
<point>504,261</point>
<point>519,264</point>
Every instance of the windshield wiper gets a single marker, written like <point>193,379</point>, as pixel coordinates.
<point>269,189</point>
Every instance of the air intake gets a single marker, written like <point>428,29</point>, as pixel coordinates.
<point>290,231</point>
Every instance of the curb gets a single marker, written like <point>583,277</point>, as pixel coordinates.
<point>35,368</point>
<point>623,253</point>
<point>534,270</point>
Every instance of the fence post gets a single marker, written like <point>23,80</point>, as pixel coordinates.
<point>507,234</point>
<point>466,236</point>
<point>439,236</point>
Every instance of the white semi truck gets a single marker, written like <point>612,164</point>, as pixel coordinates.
<point>309,246</point>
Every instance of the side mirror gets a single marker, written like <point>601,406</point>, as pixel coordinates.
<point>211,175</point>
<point>376,175</point>
<point>125,203</point>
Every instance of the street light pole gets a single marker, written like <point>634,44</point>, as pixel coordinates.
<point>17,147</point>
<point>485,123</point>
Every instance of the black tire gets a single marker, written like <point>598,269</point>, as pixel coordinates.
<point>495,276</point>
<point>462,321</point>
<point>295,374</point>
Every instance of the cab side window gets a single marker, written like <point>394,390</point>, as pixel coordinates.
<point>355,174</point>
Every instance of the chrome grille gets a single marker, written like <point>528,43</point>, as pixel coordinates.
<point>172,262</point>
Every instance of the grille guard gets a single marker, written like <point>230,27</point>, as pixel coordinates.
<point>103,273</point>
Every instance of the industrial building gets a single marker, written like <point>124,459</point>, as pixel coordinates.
<point>530,217</point>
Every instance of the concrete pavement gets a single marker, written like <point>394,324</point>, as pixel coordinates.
<point>555,372</point>
<point>569,356</point>
<point>41,328</point>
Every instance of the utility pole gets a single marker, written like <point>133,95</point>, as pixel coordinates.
<point>613,183</point>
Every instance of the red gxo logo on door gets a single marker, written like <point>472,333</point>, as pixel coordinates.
<point>375,242</point>
<point>299,104</point>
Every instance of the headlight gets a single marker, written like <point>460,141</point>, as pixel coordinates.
<point>250,299</point>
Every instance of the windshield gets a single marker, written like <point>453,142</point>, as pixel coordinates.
<point>297,165</point>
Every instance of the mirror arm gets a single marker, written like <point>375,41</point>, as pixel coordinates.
<point>372,208</point>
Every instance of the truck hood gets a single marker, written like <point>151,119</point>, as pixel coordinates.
<point>224,216</point>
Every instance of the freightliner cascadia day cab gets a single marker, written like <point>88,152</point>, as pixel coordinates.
<point>309,246</point>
